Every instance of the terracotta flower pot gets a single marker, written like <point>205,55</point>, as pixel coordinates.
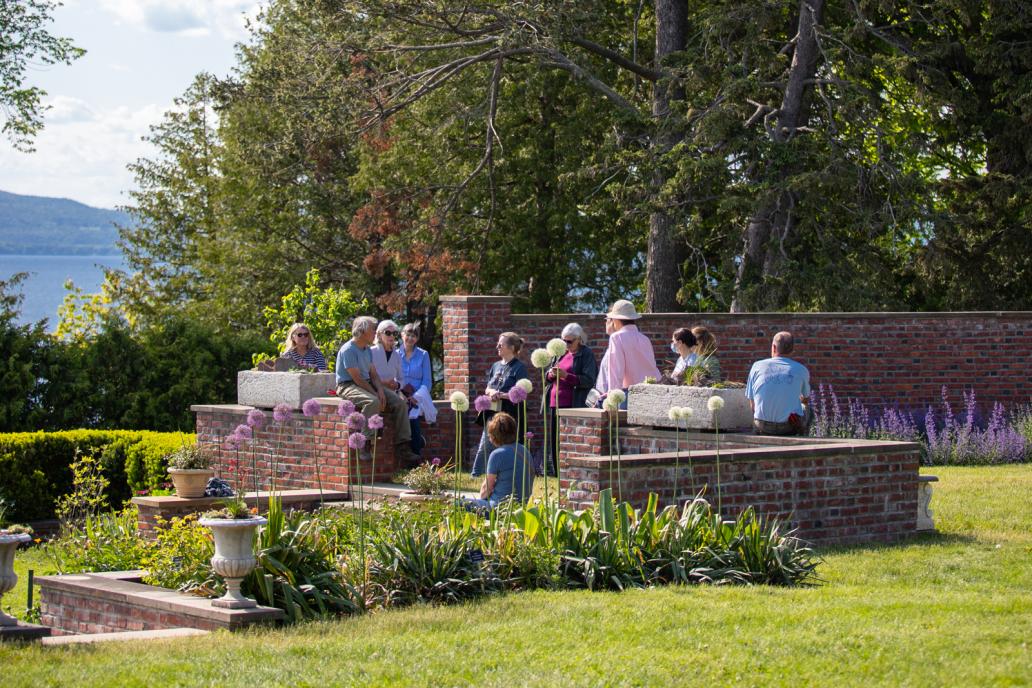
<point>8,578</point>
<point>190,482</point>
<point>234,556</point>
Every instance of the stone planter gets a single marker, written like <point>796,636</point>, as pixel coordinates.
<point>234,556</point>
<point>8,578</point>
<point>267,389</point>
<point>649,404</point>
<point>190,482</point>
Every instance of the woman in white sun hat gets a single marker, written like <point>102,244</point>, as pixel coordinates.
<point>629,358</point>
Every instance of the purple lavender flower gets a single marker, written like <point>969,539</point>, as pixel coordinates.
<point>243,432</point>
<point>310,408</point>
<point>345,409</point>
<point>356,421</point>
<point>517,395</point>
<point>482,403</point>
<point>281,413</point>
<point>375,422</point>
<point>356,440</point>
<point>256,418</point>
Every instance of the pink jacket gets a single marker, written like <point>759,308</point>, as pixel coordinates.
<point>628,360</point>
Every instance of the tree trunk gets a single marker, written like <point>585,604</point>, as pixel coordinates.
<point>772,225</point>
<point>665,252</point>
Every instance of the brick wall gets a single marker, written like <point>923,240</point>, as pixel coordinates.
<point>881,358</point>
<point>837,492</point>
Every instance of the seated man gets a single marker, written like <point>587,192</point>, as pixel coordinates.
<point>777,390</point>
<point>358,382</point>
<point>509,467</point>
<point>629,358</point>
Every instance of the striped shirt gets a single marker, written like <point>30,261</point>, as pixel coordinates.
<point>313,358</point>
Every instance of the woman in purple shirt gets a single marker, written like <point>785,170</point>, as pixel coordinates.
<point>576,371</point>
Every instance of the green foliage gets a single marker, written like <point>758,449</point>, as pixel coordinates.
<point>328,312</point>
<point>27,43</point>
<point>35,468</point>
<point>189,456</point>
<point>428,479</point>
<point>87,498</point>
<point>180,558</point>
<point>102,542</point>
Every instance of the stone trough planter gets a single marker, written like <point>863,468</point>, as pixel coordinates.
<point>266,389</point>
<point>649,404</point>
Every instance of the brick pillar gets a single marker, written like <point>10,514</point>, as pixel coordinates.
<point>470,327</point>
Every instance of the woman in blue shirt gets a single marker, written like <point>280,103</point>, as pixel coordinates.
<point>417,381</point>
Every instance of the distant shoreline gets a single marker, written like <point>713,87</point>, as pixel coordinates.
<point>45,251</point>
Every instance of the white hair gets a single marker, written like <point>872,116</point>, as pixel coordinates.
<point>574,330</point>
<point>386,325</point>
<point>361,324</point>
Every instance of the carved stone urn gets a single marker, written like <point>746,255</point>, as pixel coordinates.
<point>234,556</point>
<point>8,578</point>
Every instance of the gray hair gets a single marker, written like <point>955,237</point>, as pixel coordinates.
<point>362,324</point>
<point>574,330</point>
<point>385,325</point>
<point>784,343</point>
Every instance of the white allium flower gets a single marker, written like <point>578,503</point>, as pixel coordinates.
<point>674,413</point>
<point>556,347</point>
<point>541,358</point>
<point>611,404</point>
<point>525,384</point>
<point>617,394</point>
<point>687,412</point>
<point>459,401</point>
<point>715,403</point>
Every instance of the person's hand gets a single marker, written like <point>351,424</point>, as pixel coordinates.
<point>411,402</point>
<point>495,396</point>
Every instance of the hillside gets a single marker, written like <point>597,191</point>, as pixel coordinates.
<point>36,225</point>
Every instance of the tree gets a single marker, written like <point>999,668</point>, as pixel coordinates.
<point>25,40</point>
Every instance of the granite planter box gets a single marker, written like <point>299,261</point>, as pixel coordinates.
<point>266,389</point>
<point>649,404</point>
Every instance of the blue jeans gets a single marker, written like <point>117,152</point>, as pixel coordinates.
<point>479,506</point>
<point>484,450</point>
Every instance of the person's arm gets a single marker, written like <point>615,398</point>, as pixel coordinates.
<point>617,364</point>
<point>374,379</point>
<point>426,372</point>
<point>589,370</point>
<point>487,487</point>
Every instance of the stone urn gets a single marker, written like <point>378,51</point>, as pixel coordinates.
<point>8,578</point>
<point>190,482</point>
<point>234,556</point>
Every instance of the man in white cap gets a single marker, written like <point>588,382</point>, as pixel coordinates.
<point>629,358</point>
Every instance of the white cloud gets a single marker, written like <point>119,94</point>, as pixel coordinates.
<point>64,109</point>
<point>82,158</point>
<point>188,17</point>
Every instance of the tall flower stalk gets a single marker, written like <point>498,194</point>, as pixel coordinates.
<point>281,415</point>
<point>674,414</point>
<point>459,404</point>
<point>255,420</point>
<point>542,359</point>
<point>557,348</point>
<point>311,409</point>
<point>715,404</point>
<point>518,395</point>
<point>612,405</point>
<point>375,424</point>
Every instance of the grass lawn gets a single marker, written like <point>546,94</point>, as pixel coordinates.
<point>949,609</point>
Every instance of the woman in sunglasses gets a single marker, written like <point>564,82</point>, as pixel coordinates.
<point>569,379</point>
<point>301,348</point>
<point>386,357</point>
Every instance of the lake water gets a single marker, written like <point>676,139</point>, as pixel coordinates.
<point>44,289</point>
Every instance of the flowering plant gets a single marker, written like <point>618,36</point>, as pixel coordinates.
<point>232,508</point>
<point>429,478</point>
<point>189,457</point>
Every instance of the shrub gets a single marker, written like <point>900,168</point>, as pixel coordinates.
<point>35,467</point>
<point>106,542</point>
<point>189,457</point>
<point>429,478</point>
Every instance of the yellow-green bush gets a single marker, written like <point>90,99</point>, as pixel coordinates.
<point>35,466</point>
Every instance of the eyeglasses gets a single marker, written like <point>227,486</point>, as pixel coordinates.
<point>406,335</point>
<point>390,333</point>
<point>300,334</point>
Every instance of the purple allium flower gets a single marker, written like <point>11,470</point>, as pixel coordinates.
<point>310,408</point>
<point>356,440</point>
<point>356,421</point>
<point>436,462</point>
<point>345,409</point>
<point>375,422</point>
<point>233,441</point>
<point>530,436</point>
<point>243,432</point>
<point>482,403</point>
<point>281,413</point>
<point>517,395</point>
<point>256,418</point>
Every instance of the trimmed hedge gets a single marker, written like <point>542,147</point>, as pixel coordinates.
<point>35,467</point>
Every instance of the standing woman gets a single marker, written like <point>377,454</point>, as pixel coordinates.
<point>576,371</point>
<point>300,348</point>
<point>501,377</point>
<point>417,381</point>
<point>706,353</point>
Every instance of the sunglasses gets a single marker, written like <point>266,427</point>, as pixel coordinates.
<point>300,334</point>
<point>569,341</point>
<point>390,333</point>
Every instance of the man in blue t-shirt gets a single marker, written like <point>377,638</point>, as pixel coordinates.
<point>777,389</point>
<point>509,469</point>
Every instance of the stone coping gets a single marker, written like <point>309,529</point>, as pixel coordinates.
<point>474,298</point>
<point>757,453</point>
<point>120,587</point>
<point>287,497</point>
<point>589,413</point>
<point>724,317</point>
<point>323,401</point>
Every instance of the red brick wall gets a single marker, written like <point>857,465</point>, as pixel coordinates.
<point>880,358</point>
<point>840,493</point>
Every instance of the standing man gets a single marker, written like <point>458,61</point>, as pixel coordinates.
<point>629,358</point>
<point>777,390</point>
<point>358,382</point>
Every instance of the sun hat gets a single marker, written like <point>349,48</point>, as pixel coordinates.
<point>623,310</point>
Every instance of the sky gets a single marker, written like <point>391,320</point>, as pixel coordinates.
<point>141,55</point>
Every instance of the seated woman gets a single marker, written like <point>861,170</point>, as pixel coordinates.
<point>501,377</point>
<point>682,344</point>
<point>417,383</point>
<point>705,354</point>
<point>385,358</point>
<point>509,472</point>
<point>300,348</point>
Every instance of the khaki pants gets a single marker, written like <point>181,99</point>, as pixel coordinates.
<point>368,403</point>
